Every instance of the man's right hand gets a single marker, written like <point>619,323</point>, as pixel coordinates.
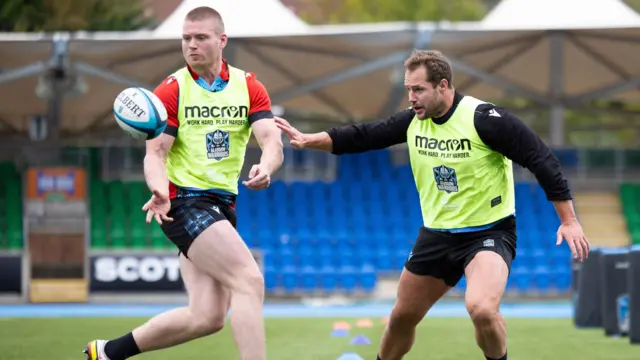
<point>297,139</point>
<point>157,207</point>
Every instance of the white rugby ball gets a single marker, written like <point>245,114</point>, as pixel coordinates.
<point>140,113</point>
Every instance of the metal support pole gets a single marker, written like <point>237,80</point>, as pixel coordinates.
<point>422,39</point>
<point>58,72</point>
<point>556,89</point>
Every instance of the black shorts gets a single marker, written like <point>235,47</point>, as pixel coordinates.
<point>445,255</point>
<point>191,216</point>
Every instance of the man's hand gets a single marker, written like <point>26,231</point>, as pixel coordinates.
<point>577,241</point>
<point>259,178</point>
<point>158,207</point>
<point>296,138</point>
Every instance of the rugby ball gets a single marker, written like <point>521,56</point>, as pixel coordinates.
<point>140,113</point>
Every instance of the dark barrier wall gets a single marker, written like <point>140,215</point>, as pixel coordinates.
<point>634,294</point>
<point>615,301</point>
<point>587,312</point>
<point>10,274</point>
<point>576,268</point>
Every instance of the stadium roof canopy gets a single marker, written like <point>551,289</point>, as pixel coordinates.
<point>344,71</point>
<point>560,53</point>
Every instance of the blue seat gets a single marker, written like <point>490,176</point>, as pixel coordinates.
<point>329,279</point>
<point>271,279</point>
<point>562,278</point>
<point>347,278</point>
<point>270,260</point>
<point>290,279</point>
<point>383,259</point>
<point>560,256</point>
<point>524,258</point>
<point>346,257</point>
<point>365,257</point>
<point>309,278</point>
<point>367,278</point>
<point>287,257</point>
<point>542,279</point>
<point>400,256</point>
<point>522,278</point>
<point>307,256</point>
<point>462,284</point>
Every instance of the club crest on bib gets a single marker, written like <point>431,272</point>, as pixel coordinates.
<point>217,145</point>
<point>446,178</point>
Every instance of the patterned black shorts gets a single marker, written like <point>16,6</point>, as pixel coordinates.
<point>191,216</point>
<point>445,256</point>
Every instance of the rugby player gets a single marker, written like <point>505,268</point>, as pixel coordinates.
<point>461,151</point>
<point>192,170</point>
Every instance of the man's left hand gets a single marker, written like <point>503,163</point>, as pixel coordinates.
<point>259,178</point>
<point>577,241</point>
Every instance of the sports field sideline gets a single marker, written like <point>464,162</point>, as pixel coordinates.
<point>538,331</point>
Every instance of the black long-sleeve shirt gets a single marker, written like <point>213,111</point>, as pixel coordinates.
<point>505,134</point>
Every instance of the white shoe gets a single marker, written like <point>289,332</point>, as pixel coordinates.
<point>95,350</point>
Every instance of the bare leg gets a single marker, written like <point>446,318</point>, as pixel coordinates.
<point>416,295</point>
<point>487,277</point>
<point>222,254</point>
<point>205,315</point>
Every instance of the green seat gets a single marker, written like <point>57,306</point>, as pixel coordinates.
<point>116,193</point>
<point>138,235</point>
<point>118,229</point>
<point>158,238</point>
<point>601,159</point>
<point>630,200</point>
<point>14,234</point>
<point>98,210</point>
<point>632,159</point>
<point>98,233</point>
<point>137,196</point>
<point>117,213</point>
<point>13,213</point>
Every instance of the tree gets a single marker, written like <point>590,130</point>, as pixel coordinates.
<point>350,11</point>
<point>72,15</point>
<point>634,4</point>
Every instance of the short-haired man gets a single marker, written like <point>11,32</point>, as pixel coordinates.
<point>461,151</point>
<point>192,170</point>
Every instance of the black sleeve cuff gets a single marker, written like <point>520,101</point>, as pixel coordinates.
<point>171,130</point>
<point>560,197</point>
<point>266,114</point>
<point>335,142</point>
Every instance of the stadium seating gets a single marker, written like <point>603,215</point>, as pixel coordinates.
<point>325,237</point>
<point>337,236</point>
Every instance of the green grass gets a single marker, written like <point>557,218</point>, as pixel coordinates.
<point>309,339</point>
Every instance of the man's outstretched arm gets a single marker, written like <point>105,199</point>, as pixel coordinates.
<point>355,138</point>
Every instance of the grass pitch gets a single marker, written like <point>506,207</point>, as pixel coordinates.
<point>310,339</point>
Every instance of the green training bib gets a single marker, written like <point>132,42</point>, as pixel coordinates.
<point>213,132</point>
<point>461,181</point>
